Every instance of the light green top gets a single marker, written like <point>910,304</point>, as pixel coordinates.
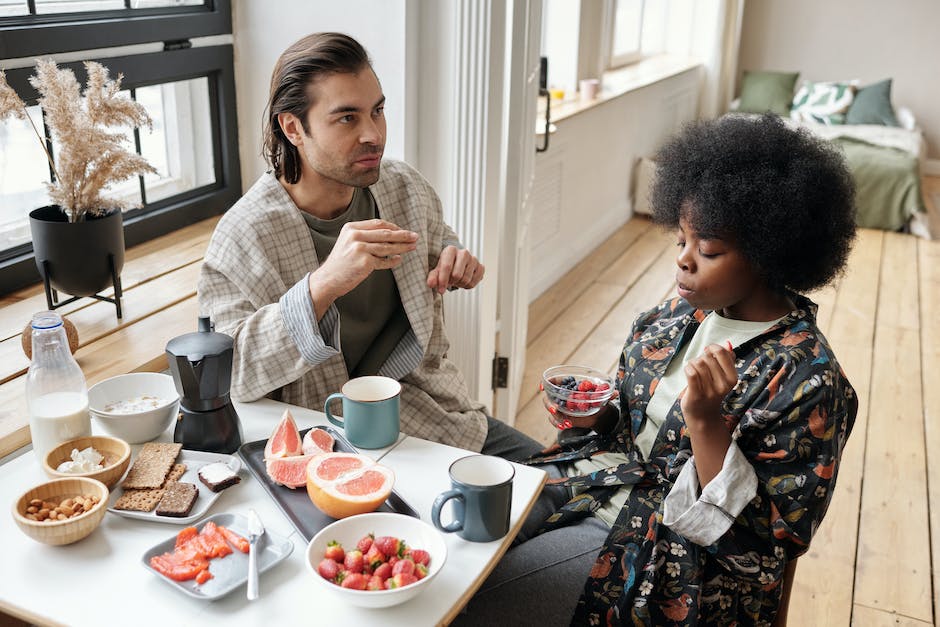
<point>715,329</point>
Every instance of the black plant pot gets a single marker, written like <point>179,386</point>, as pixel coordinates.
<point>78,258</point>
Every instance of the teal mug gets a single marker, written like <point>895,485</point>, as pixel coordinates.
<point>370,411</point>
<point>481,495</point>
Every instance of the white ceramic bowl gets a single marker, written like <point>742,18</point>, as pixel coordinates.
<point>347,531</point>
<point>139,426</point>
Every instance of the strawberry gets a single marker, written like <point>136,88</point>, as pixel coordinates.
<point>390,545</point>
<point>420,556</point>
<point>375,583</point>
<point>400,580</point>
<point>586,385</point>
<point>334,551</point>
<point>405,566</point>
<point>365,543</point>
<point>421,571</point>
<point>328,569</point>
<point>354,561</point>
<point>356,581</point>
<point>374,557</point>
<point>384,571</point>
<point>393,560</point>
<point>340,576</point>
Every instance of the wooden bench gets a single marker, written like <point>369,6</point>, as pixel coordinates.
<point>159,281</point>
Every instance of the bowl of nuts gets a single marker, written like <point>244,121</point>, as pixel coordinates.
<point>574,391</point>
<point>98,457</point>
<point>61,511</point>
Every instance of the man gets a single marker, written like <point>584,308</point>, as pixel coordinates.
<point>333,264</point>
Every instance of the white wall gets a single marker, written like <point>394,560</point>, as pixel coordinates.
<point>867,40</point>
<point>262,30</point>
<point>582,183</point>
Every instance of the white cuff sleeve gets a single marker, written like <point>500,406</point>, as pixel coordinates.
<point>703,519</point>
<point>316,342</point>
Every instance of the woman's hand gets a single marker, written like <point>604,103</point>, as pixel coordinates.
<point>710,377</point>
<point>602,422</point>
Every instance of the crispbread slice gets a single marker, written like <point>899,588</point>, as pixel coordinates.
<point>139,500</point>
<point>177,471</point>
<point>146,499</point>
<point>178,499</point>
<point>152,465</point>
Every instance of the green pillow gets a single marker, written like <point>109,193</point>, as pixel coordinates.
<point>872,105</point>
<point>767,91</point>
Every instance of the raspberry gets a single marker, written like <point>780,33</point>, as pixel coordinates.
<point>586,385</point>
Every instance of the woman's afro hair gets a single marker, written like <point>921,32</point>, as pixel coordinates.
<point>782,196</point>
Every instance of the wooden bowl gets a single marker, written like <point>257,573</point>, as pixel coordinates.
<point>116,452</point>
<point>62,531</point>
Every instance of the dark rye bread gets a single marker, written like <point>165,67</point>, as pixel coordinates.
<point>218,476</point>
<point>178,499</point>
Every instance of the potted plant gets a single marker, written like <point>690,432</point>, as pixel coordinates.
<point>78,241</point>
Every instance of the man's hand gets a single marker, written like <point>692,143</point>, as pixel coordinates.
<point>456,267</point>
<point>360,248</point>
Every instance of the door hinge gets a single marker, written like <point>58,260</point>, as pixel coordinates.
<point>500,372</point>
<point>177,44</point>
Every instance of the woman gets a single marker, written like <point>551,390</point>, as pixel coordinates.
<point>717,463</point>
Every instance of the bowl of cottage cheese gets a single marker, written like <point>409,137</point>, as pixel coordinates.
<point>135,407</point>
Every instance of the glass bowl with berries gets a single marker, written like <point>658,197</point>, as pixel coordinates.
<point>574,392</point>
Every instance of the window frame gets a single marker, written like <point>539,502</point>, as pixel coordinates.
<point>55,33</point>
<point>612,61</point>
<point>17,265</point>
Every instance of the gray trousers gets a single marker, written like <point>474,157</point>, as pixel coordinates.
<point>540,579</point>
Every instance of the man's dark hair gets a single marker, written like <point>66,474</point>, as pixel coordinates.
<point>304,62</point>
<point>782,196</point>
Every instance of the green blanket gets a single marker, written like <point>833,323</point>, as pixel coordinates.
<point>887,183</point>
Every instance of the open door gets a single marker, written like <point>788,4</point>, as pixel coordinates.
<point>524,29</point>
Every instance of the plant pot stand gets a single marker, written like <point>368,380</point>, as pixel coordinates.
<point>52,294</point>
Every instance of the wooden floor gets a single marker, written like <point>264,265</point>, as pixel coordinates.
<point>871,562</point>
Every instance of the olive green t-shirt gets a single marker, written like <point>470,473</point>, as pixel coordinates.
<point>372,319</point>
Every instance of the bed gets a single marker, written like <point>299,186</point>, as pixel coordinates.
<point>883,146</point>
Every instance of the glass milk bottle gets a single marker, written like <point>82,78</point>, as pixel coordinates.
<point>55,387</point>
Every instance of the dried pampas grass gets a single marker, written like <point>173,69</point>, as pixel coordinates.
<point>89,157</point>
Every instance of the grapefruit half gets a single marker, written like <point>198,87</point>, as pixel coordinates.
<point>346,484</point>
<point>285,440</point>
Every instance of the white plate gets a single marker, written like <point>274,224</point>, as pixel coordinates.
<point>231,571</point>
<point>194,460</point>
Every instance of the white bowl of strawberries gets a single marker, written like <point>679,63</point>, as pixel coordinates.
<point>376,560</point>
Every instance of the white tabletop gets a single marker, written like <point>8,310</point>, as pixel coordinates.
<point>101,579</point>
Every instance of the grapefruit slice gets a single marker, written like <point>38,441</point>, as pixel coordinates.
<point>346,484</point>
<point>288,471</point>
<point>285,440</point>
<point>318,441</point>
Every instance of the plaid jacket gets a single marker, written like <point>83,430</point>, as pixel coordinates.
<point>253,284</point>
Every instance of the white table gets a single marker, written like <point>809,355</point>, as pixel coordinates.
<point>101,580</point>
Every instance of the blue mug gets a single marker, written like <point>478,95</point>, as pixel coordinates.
<point>481,495</point>
<point>370,411</point>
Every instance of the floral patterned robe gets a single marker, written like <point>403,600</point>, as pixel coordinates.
<point>790,414</point>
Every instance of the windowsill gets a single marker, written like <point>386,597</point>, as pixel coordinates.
<point>616,83</point>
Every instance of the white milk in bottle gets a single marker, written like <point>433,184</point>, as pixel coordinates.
<point>55,388</point>
<point>57,417</point>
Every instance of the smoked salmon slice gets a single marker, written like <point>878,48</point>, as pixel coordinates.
<point>194,549</point>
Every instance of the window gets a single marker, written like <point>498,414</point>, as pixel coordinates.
<point>625,25</point>
<point>188,91</point>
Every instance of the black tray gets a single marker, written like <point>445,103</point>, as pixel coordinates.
<point>295,504</point>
